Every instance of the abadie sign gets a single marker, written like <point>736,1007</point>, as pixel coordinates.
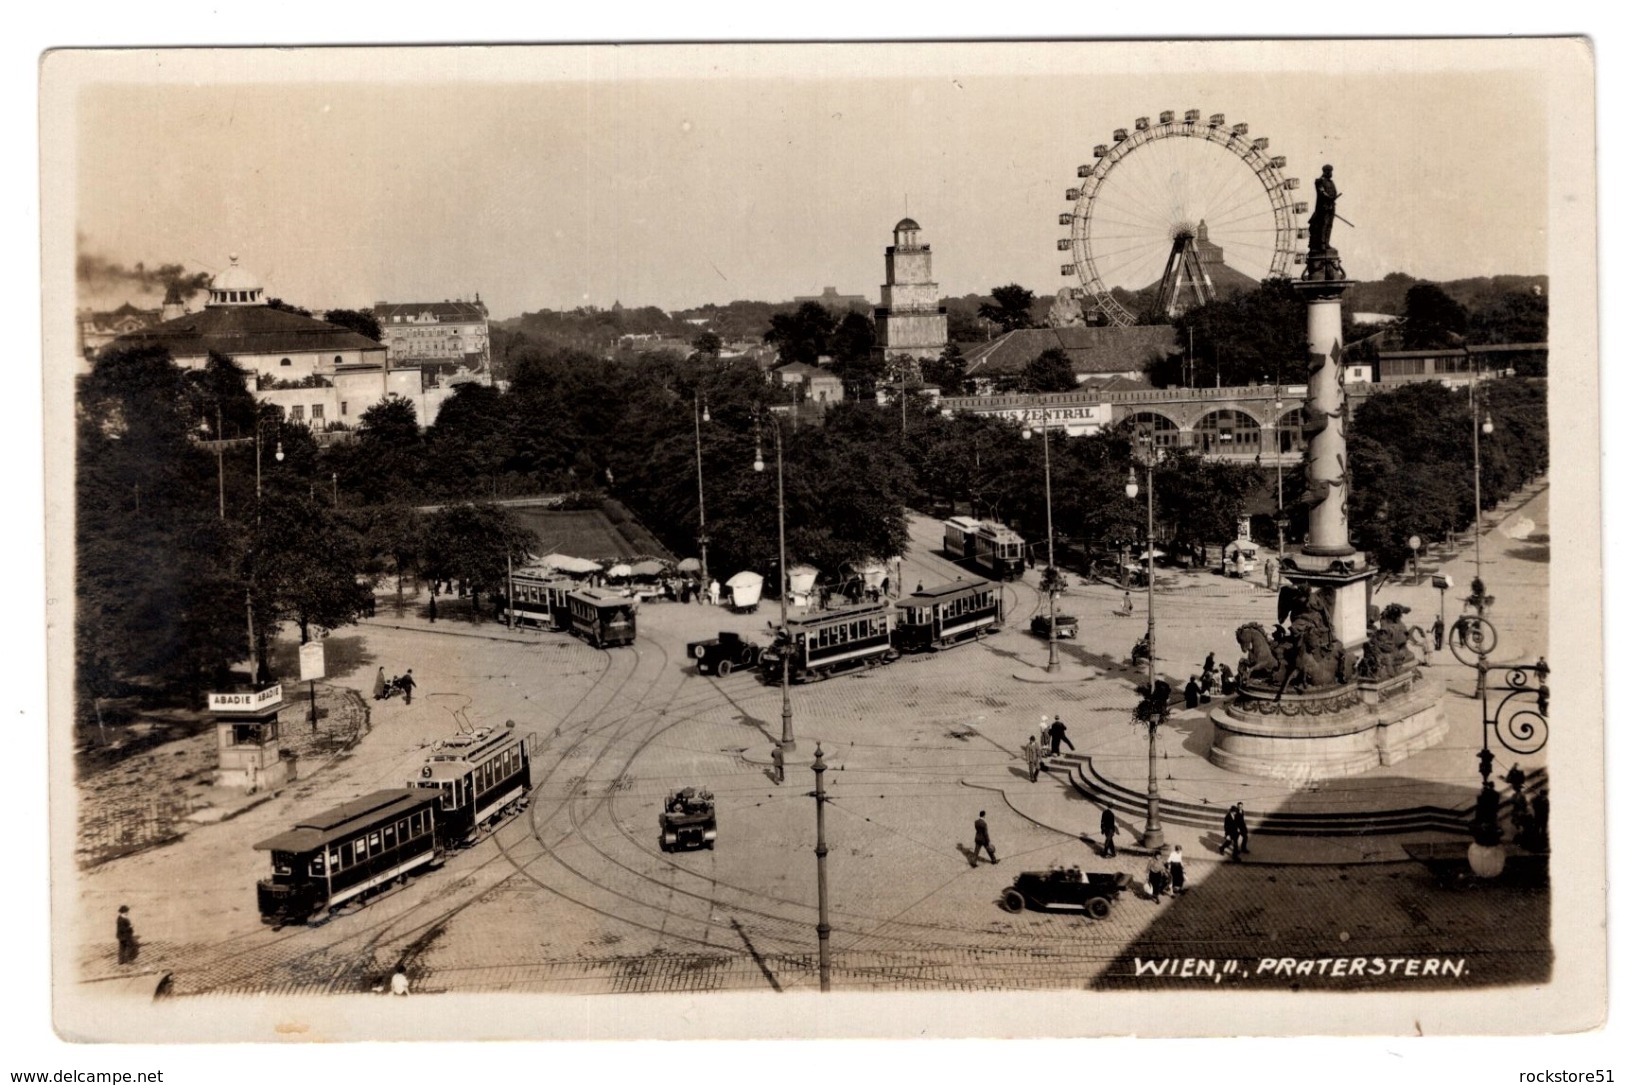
<point>257,701</point>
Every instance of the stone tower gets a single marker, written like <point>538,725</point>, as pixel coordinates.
<point>910,319</point>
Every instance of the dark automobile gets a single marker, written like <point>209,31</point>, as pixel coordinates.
<point>1066,626</point>
<point>689,820</point>
<point>723,654</point>
<point>1066,888</point>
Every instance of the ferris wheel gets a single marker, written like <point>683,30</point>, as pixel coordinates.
<point>1171,203</point>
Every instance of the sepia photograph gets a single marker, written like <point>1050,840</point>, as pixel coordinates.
<point>793,540</point>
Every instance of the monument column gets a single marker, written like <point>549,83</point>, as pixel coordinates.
<point>1328,450</point>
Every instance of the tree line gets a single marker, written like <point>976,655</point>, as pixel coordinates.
<point>167,583</point>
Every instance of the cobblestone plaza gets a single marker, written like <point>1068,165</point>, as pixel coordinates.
<point>575,896</point>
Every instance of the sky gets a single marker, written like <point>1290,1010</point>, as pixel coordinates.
<point>676,176</point>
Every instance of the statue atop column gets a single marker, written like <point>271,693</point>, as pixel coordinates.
<point>1323,263</point>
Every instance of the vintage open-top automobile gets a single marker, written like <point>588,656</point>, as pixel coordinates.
<point>1066,888</point>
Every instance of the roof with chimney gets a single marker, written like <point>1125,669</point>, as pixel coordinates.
<point>246,329</point>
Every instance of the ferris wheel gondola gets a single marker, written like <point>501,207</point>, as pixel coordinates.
<point>1166,201</point>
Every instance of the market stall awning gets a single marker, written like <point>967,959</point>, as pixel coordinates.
<point>568,564</point>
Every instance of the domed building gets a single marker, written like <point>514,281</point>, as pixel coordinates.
<point>321,374</point>
<point>910,319</point>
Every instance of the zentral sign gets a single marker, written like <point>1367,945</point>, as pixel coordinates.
<point>246,702</point>
<point>1088,418</point>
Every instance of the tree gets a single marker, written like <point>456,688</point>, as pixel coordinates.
<point>946,372</point>
<point>474,543</point>
<point>1512,317</point>
<point>383,462</point>
<point>1011,307</point>
<point>708,344</point>
<point>1251,338</point>
<point>1433,318</point>
<point>307,567</point>
<point>286,307</point>
<point>362,323</point>
<point>1051,371</point>
<point>855,357</point>
<point>802,336</point>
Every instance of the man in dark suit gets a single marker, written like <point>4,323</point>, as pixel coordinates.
<point>1108,830</point>
<point>1241,829</point>
<point>1232,834</point>
<point>127,945</point>
<point>982,840</point>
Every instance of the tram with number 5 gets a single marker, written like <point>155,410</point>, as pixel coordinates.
<point>817,645</point>
<point>342,854</point>
<point>990,546</point>
<point>938,617</point>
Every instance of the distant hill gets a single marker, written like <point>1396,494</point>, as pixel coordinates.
<point>1387,295</point>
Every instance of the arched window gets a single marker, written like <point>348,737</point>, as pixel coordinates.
<point>1228,431</point>
<point>1164,433</point>
<point>1289,431</point>
<point>338,359</point>
<point>287,361</point>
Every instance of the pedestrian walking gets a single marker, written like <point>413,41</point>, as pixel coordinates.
<point>1057,735</point>
<point>1035,758</point>
<point>407,684</point>
<point>128,947</point>
<point>715,592</point>
<point>1232,835</point>
<point>1227,679</point>
<point>1128,604</point>
<point>1176,870</point>
<point>778,763</point>
<point>1241,827</point>
<point>1207,686</point>
<point>1193,693</point>
<point>380,686</point>
<point>1043,732</point>
<point>1108,833</point>
<point>1208,666</point>
<point>398,983</point>
<point>1156,876</point>
<point>983,840</point>
<point>1438,633</point>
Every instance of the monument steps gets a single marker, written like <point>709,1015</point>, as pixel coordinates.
<point>1083,777</point>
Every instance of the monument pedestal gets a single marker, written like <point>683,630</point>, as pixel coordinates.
<point>1327,733</point>
<point>1343,581</point>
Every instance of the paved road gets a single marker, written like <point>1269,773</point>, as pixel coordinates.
<point>575,895</point>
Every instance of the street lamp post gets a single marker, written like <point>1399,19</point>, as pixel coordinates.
<point>699,475</point>
<point>822,850</point>
<point>1153,800</point>
<point>1049,523</point>
<point>1415,544</point>
<point>787,733</point>
<point>1280,489</point>
<point>1487,427</point>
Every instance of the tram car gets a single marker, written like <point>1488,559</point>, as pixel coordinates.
<point>937,617</point>
<point>478,775</point>
<point>602,618</point>
<point>541,597</point>
<point>342,853</point>
<point>689,820</point>
<point>989,546</point>
<point>817,645</point>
